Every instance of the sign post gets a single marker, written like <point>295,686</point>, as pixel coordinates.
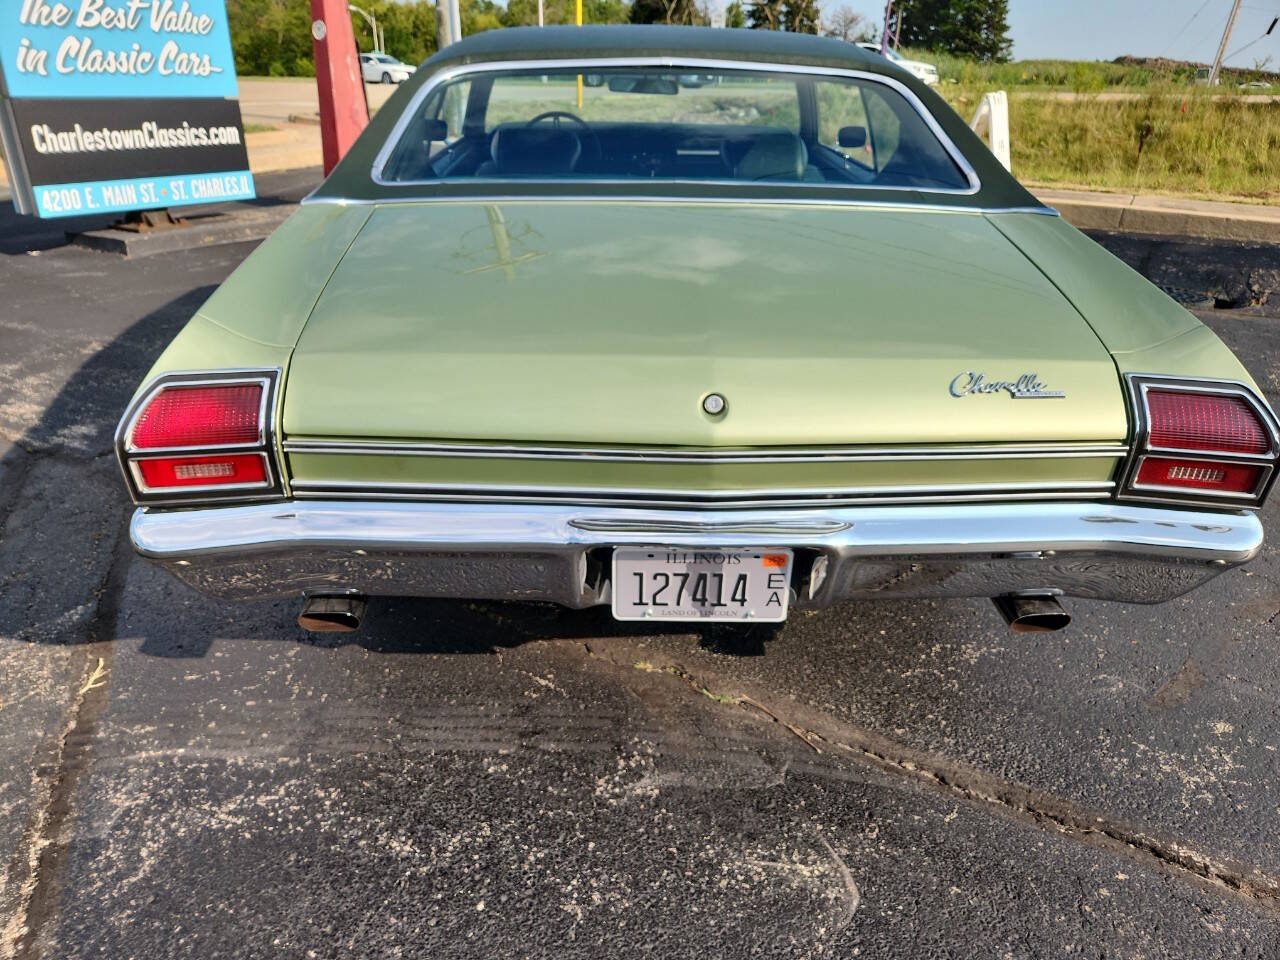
<point>119,105</point>
<point>340,86</point>
<point>993,113</point>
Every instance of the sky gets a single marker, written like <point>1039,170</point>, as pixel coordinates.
<point>1106,29</point>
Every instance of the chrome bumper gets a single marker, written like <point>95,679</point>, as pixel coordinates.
<point>560,553</point>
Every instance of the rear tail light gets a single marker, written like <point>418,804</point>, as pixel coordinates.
<point>199,437</point>
<point>201,416</point>
<point>1198,475</point>
<point>1196,421</point>
<point>160,473</point>
<point>1200,441</point>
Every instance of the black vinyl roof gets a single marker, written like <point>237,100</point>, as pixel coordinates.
<point>538,43</point>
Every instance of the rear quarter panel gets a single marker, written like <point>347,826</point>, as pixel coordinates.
<point>1143,329</point>
<point>255,317</point>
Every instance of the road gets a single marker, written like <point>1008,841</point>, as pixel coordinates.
<point>273,100</point>
<point>184,778</point>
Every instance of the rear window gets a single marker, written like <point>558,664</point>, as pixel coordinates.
<point>658,124</point>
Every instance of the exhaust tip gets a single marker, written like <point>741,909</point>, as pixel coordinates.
<point>332,614</point>
<point>1032,614</point>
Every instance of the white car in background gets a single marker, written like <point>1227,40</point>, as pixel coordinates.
<point>381,68</point>
<point>924,71</point>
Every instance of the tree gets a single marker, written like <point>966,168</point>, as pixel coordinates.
<point>524,13</point>
<point>965,28</point>
<point>684,12</point>
<point>848,25</point>
<point>766,14</point>
<point>479,15</point>
<point>734,15</point>
<point>800,16</point>
<point>271,37</point>
<point>794,16</point>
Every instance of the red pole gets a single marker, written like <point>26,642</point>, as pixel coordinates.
<point>343,113</point>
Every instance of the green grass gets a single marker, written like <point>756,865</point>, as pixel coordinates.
<point>1067,75</point>
<point>1077,76</point>
<point>1191,145</point>
<point>259,128</point>
<point>1127,127</point>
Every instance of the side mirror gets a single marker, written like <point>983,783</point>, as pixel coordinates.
<point>434,130</point>
<point>852,137</point>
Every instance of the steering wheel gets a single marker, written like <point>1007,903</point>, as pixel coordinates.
<point>555,116</point>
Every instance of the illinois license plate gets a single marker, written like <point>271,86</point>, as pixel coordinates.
<point>668,583</point>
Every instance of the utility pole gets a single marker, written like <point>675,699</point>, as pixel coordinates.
<point>443,32</point>
<point>1222,47</point>
<point>448,23</point>
<point>540,16</point>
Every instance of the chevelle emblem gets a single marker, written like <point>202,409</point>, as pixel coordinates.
<point>1026,387</point>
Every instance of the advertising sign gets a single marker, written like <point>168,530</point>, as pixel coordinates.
<point>115,105</point>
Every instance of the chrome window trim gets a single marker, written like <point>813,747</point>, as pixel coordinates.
<point>658,455</point>
<point>591,63</point>
<point>896,205</point>
<point>1139,386</point>
<point>265,445</point>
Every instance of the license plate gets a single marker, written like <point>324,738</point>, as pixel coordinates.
<point>670,583</point>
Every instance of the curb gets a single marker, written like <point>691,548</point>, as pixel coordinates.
<point>235,226</point>
<point>1165,216</point>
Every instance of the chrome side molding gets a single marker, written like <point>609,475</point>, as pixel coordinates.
<point>904,454</point>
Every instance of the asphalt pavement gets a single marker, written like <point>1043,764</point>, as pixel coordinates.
<point>186,778</point>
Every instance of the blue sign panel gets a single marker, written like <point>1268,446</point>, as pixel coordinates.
<point>113,196</point>
<point>116,49</point>
<point>119,105</point>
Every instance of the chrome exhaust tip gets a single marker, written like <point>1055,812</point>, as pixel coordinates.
<point>1039,613</point>
<point>332,614</point>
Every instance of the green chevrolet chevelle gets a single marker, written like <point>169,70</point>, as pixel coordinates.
<point>699,325</point>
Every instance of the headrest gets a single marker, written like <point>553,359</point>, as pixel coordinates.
<point>522,150</point>
<point>774,156</point>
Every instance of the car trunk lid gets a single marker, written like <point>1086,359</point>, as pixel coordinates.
<point>609,322</point>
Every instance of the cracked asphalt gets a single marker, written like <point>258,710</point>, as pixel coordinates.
<point>186,778</point>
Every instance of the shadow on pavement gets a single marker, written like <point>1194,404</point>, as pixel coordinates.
<point>62,505</point>
<point>408,625</point>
